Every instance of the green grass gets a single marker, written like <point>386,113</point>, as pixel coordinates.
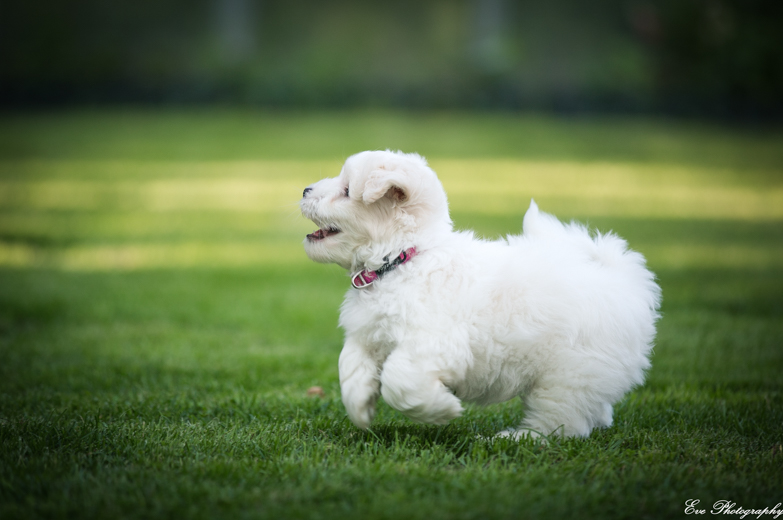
<point>160,323</point>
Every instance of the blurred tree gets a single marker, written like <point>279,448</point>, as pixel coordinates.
<point>709,57</point>
<point>719,55</point>
<point>236,27</point>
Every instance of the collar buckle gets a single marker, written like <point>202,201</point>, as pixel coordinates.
<point>364,279</point>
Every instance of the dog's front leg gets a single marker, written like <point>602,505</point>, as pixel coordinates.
<point>359,382</point>
<point>416,388</point>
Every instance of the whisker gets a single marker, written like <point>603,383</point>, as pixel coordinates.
<point>293,214</point>
<point>287,205</point>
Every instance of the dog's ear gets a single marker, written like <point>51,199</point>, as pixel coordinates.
<point>390,183</point>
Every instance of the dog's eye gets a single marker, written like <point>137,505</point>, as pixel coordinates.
<point>346,191</point>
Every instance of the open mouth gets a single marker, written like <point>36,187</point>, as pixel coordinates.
<point>322,233</point>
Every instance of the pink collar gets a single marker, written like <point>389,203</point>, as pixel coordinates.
<point>364,279</point>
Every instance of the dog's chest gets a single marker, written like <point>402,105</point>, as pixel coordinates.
<point>377,323</point>
<point>381,319</point>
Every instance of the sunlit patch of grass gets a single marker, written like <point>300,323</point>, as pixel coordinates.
<point>245,213</point>
<point>228,186</point>
<point>162,195</point>
<point>265,252</point>
<point>179,255</point>
<point>494,186</point>
<point>611,189</point>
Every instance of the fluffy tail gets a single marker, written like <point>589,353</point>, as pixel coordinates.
<point>531,216</point>
<point>539,223</point>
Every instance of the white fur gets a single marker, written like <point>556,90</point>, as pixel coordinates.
<point>562,319</point>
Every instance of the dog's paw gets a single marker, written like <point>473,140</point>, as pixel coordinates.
<point>439,408</point>
<point>439,417</point>
<point>361,414</point>
<point>359,402</point>
<point>521,434</point>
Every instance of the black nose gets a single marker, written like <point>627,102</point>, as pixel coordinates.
<point>304,193</point>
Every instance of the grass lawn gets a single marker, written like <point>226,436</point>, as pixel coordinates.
<point>160,323</point>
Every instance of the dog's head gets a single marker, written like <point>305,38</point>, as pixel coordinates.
<point>381,204</point>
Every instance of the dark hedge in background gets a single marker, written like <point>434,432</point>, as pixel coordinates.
<point>721,58</point>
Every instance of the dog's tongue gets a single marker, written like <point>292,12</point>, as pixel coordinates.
<point>321,234</point>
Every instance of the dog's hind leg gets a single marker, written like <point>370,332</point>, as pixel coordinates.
<point>417,390</point>
<point>359,382</point>
<point>566,411</point>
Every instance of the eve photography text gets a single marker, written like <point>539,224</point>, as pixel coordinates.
<point>727,507</point>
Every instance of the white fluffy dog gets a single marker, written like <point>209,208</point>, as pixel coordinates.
<point>436,317</point>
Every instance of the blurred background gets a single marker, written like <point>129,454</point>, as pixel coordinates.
<point>708,58</point>
<point>160,322</point>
